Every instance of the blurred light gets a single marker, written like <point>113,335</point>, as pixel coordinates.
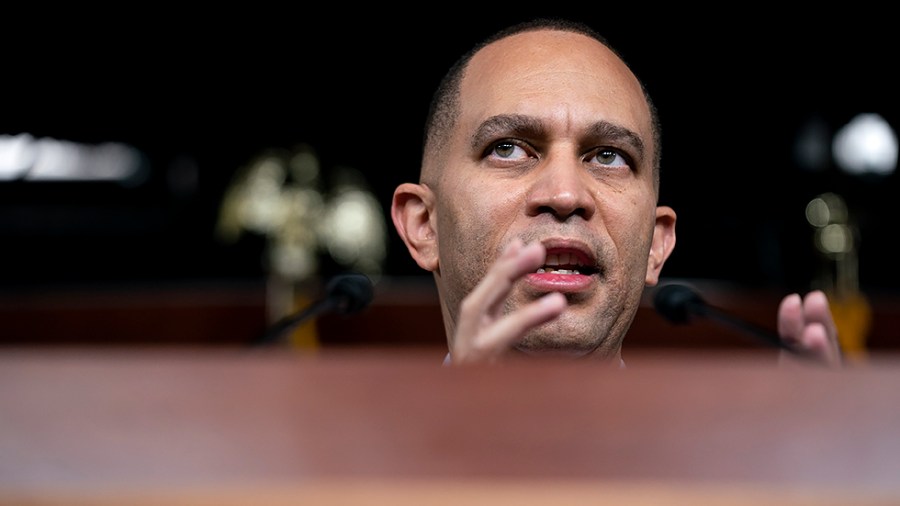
<point>825,209</point>
<point>834,239</point>
<point>17,155</point>
<point>829,215</point>
<point>353,228</point>
<point>279,196</point>
<point>26,158</point>
<point>294,244</point>
<point>867,144</point>
<point>292,253</point>
<point>261,206</point>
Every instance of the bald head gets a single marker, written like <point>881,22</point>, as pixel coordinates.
<point>445,108</point>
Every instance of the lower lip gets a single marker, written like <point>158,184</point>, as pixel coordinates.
<point>550,282</point>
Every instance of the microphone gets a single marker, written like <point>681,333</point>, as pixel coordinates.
<point>346,293</point>
<point>677,303</point>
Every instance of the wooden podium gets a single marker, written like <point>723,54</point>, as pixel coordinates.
<point>394,427</point>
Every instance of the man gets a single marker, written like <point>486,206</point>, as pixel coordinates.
<point>537,206</point>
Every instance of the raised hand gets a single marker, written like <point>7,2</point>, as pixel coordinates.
<point>484,333</point>
<point>806,324</point>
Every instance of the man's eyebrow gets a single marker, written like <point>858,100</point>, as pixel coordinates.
<point>504,125</point>
<point>528,126</point>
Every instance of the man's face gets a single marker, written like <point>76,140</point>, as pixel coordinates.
<point>553,144</point>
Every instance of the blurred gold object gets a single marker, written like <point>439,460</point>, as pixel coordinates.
<point>836,240</point>
<point>853,317</point>
<point>280,195</point>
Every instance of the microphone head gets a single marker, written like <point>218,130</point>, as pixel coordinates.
<point>352,291</point>
<point>676,302</point>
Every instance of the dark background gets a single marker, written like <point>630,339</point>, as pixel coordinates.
<point>202,95</point>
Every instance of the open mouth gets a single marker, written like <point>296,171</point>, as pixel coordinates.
<point>566,263</point>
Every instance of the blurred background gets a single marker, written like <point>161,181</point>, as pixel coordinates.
<point>189,179</point>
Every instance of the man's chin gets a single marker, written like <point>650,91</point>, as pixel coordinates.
<point>554,346</point>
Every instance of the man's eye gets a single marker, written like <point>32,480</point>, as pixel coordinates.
<point>610,157</point>
<point>508,150</point>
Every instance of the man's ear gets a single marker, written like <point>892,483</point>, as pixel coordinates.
<point>662,245</point>
<point>412,211</point>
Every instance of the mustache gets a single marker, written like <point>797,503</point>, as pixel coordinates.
<point>595,245</point>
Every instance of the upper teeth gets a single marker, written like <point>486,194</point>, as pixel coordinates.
<point>555,260</point>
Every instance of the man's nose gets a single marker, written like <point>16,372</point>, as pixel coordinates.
<point>562,188</point>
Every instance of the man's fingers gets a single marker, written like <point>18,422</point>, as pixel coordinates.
<point>820,335</point>
<point>817,310</point>
<point>790,319</point>
<point>483,331</point>
<point>516,260</point>
<point>819,344</point>
<point>807,325</point>
<point>497,339</point>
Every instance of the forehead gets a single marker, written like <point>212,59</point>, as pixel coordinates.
<point>554,75</point>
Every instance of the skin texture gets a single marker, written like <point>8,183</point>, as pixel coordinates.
<point>551,158</point>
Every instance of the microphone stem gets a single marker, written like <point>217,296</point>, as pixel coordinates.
<point>763,335</point>
<point>281,327</point>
